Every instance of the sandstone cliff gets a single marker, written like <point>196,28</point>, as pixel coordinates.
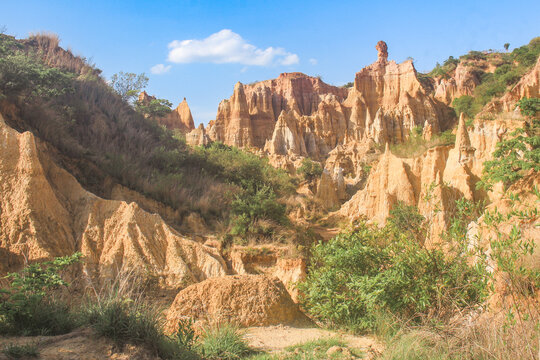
<point>300,115</point>
<point>46,213</point>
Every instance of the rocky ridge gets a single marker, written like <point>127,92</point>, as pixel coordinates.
<point>300,115</point>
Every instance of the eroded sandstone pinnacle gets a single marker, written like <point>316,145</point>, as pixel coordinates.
<point>382,49</point>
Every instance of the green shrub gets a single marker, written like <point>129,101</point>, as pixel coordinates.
<point>14,351</point>
<point>27,306</point>
<point>516,156</point>
<point>370,270</point>
<point>223,342</point>
<point>310,170</point>
<point>185,335</point>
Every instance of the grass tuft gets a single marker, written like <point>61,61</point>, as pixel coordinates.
<point>224,342</point>
<point>14,351</point>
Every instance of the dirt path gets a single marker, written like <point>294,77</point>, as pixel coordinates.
<point>277,338</point>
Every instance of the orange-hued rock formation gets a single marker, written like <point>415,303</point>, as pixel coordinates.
<point>463,82</point>
<point>300,115</point>
<point>432,181</point>
<point>46,213</point>
<point>179,119</point>
<point>244,300</point>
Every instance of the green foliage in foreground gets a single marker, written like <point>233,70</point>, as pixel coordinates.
<point>27,307</point>
<point>14,351</point>
<point>516,156</point>
<point>358,275</point>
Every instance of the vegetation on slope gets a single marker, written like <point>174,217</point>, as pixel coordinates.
<point>64,100</point>
<point>518,155</point>
<point>508,70</point>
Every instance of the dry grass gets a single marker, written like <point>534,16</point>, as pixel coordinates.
<point>488,336</point>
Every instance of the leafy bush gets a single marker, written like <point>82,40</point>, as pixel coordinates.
<point>358,275</point>
<point>474,55</point>
<point>24,75</point>
<point>14,351</point>
<point>310,170</point>
<point>223,342</point>
<point>27,306</point>
<point>251,206</point>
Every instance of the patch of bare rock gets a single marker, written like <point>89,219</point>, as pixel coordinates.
<point>245,300</point>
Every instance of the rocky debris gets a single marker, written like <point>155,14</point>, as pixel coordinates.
<point>46,213</point>
<point>245,300</point>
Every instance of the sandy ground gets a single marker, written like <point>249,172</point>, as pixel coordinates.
<point>277,338</point>
<point>82,344</point>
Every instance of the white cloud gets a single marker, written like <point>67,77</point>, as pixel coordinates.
<point>313,61</point>
<point>160,69</point>
<point>227,46</point>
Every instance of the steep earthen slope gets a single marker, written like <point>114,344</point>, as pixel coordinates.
<point>44,212</point>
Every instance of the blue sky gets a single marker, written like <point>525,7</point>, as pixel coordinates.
<point>330,39</point>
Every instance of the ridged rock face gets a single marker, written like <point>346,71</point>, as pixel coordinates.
<point>300,115</point>
<point>388,101</point>
<point>46,213</point>
<point>431,181</point>
<point>463,82</point>
<point>178,119</point>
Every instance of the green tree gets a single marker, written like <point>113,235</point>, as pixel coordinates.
<point>128,85</point>
<point>506,46</point>
<point>154,108</point>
